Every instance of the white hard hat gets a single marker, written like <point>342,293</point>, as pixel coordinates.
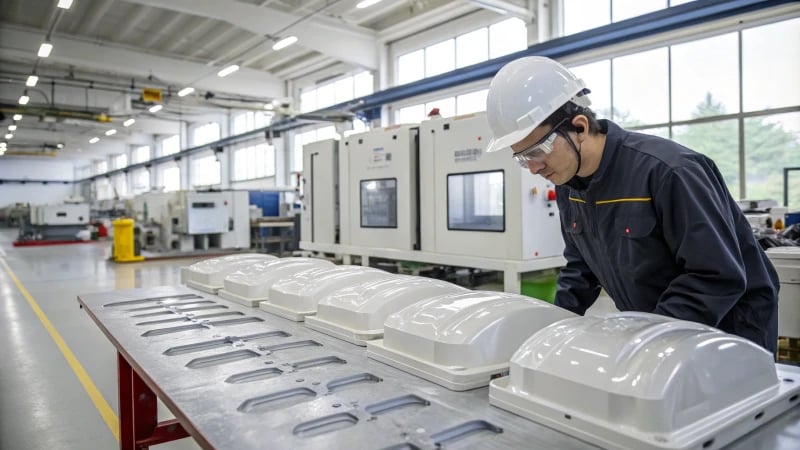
<point>524,93</point>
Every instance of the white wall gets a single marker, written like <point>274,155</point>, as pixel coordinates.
<point>35,193</point>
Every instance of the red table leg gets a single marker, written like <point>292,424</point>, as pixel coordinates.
<point>138,415</point>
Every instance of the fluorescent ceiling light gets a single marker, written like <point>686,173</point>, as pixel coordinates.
<point>3,145</point>
<point>228,70</point>
<point>155,108</point>
<point>186,91</point>
<point>94,140</point>
<point>17,117</point>
<point>31,81</point>
<point>9,136</point>
<point>59,145</point>
<point>283,43</point>
<point>269,106</point>
<point>45,49</point>
<point>367,3</point>
<point>111,132</point>
<point>64,4</point>
<point>128,122</point>
<point>12,128</point>
<point>24,99</point>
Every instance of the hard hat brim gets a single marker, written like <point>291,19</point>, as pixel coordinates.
<point>502,142</point>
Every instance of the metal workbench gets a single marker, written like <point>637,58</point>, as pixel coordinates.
<point>240,378</point>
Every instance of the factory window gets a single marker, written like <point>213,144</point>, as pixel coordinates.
<point>141,154</point>
<point>769,71</point>
<point>597,76</point>
<point>472,47</point>
<point>120,161</point>
<point>772,143</point>
<point>140,181</point>
<point>254,162</point>
<point>582,15</point>
<point>171,179</point>
<point>102,189</point>
<point>205,134</point>
<point>205,171</point>
<point>440,58</point>
<point>100,167</point>
<point>411,114</point>
<point>171,145</point>
<point>120,185</point>
<point>500,39</point>
<point>250,120</point>
<point>336,92</point>
<point>471,102</point>
<point>83,172</point>
<point>476,201</point>
<point>379,203</point>
<point>675,97</point>
<point>411,67</point>
<point>506,37</point>
<point>308,137</point>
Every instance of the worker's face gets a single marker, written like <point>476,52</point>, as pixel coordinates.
<point>558,165</point>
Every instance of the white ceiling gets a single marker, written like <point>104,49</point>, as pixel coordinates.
<point>106,51</point>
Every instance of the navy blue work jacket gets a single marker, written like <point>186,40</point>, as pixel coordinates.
<point>657,228</point>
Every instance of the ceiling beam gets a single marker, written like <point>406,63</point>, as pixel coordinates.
<point>426,20</point>
<point>90,22</point>
<point>504,7</point>
<point>133,21</point>
<point>125,61</point>
<point>356,46</point>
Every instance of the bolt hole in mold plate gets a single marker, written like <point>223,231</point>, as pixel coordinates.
<point>208,275</point>
<point>356,313</point>
<point>250,285</point>
<point>296,297</point>
<point>643,381</point>
<point>462,340</point>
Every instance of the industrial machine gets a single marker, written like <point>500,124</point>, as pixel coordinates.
<point>191,220</point>
<point>126,246</point>
<point>379,203</point>
<point>320,212</point>
<point>494,207</point>
<point>55,222</point>
<point>787,263</point>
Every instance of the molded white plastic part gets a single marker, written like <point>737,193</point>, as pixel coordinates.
<point>250,285</point>
<point>356,314</point>
<point>462,340</point>
<point>297,296</point>
<point>208,275</point>
<point>643,381</point>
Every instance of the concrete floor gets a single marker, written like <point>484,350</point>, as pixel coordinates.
<point>43,404</point>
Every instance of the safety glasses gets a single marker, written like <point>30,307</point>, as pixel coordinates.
<point>540,149</point>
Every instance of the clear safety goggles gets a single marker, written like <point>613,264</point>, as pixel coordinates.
<point>540,149</point>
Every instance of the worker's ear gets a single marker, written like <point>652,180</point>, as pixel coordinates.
<point>581,124</point>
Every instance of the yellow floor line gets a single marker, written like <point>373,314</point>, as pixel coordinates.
<point>97,398</point>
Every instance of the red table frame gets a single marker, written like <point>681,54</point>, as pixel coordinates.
<point>139,427</point>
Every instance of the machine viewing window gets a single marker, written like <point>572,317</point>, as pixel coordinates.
<point>476,201</point>
<point>202,204</point>
<point>379,203</point>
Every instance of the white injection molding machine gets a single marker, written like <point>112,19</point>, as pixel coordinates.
<point>483,204</point>
<point>320,213</point>
<point>379,203</point>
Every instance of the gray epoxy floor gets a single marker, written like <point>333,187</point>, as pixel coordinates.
<point>43,405</point>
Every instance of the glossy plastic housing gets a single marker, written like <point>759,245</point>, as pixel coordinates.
<point>297,296</point>
<point>356,314</point>
<point>208,275</point>
<point>250,285</point>
<point>462,340</point>
<point>643,381</point>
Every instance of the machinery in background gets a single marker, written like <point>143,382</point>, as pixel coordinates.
<point>787,263</point>
<point>494,207</point>
<point>764,214</point>
<point>14,215</point>
<point>378,194</point>
<point>60,222</point>
<point>185,221</point>
<point>320,211</point>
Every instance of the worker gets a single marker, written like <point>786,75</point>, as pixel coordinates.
<point>643,217</point>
